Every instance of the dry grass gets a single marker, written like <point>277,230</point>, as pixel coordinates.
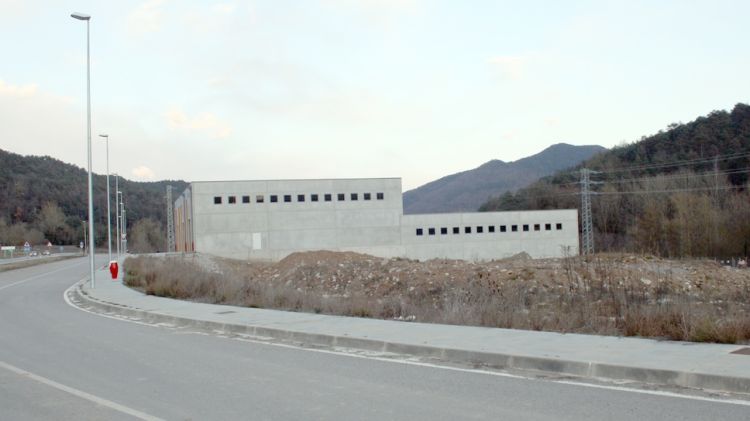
<point>613,295</point>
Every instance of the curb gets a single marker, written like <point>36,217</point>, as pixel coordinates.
<point>588,370</point>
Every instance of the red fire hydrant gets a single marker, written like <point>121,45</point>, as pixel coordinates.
<point>113,269</point>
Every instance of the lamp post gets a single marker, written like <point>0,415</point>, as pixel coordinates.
<point>87,18</point>
<point>109,212</point>
<point>117,214</point>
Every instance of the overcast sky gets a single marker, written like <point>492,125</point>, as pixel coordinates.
<point>203,90</point>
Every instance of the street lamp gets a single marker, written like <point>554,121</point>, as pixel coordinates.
<point>87,18</point>
<point>109,212</point>
<point>117,214</point>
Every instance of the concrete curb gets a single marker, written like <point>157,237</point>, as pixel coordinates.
<point>582,369</point>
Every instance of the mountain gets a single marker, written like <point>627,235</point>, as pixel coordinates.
<point>28,182</point>
<point>467,190</point>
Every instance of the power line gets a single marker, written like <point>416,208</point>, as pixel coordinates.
<point>676,163</point>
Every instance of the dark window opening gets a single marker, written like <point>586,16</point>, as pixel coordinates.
<point>300,197</point>
<point>480,229</point>
<point>525,227</point>
<point>558,226</point>
<point>260,198</point>
<point>327,197</point>
<point>467,230</point>
<point>368,196</point>
<point>514,228</point>
<point>245,199</point>
<point>419,231</point>
<point>355,196</point>
<point>548,227</point>
<point>217,200</point>
<point>379,196</point>
<point>443,231</point>
<point>287,198</point>
<point>503,228</point>
<point>341,197</point>
<point>431,231</point>
<point>536,227</point>
<point>232,200</point>
<point>456,230</point>
<point>274,198</point>
<point>313,197</point>
<point>491,228</point>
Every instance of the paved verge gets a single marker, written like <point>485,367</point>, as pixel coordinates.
<point>702,366</point>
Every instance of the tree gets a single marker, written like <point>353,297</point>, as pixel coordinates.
<point>146,236</point>
<point>51,221</point>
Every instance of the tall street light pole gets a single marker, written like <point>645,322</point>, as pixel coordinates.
<point>109,212</point>
<point>87,18</point>
<point>117,214</point>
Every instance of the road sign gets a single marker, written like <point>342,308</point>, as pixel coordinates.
<point>49,244</point>
<point>26,247</point>
<point>81,245</point>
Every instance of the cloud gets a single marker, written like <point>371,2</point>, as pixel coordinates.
<point>202,123</point>
<point>18,92</point>
<point>510,67</point>
<point>143,172</point>
<point>551,121</point>
<point>146,18</point>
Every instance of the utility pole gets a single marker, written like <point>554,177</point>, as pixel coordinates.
<point>587,227</point>
<point>170,222</point>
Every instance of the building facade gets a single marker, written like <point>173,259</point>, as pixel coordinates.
<point>268,220</point>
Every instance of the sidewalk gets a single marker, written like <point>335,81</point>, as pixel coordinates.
<point>703,366</point>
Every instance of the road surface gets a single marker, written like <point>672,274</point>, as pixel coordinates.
<point>58,362</point>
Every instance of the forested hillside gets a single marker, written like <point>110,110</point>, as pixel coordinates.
<point>681,192</point>
<point>42,198</point>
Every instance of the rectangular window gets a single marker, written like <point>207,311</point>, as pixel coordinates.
<point>491,228</point>
<point>232,200</point>
<point>368,196</point>
<point>503,228</point>
<point>431,231</point>
<point>327,197</point>
<point>419,231</point>
<point>260,198</point>
<point>274,198</point>
<point>525,227</point>
<point>300,197</point>
<point>341,197</point>
<point>467,230</point>
<point>355,196</point>
<point>548,227</point>
<point>480,229</point>
<point>456,230</point>
<point>514,228</point>
<point>245,199</point>
<point>558,226</point>
<point>537,227</point>
<point>313,197</point>
<point>443,231</point>
<point>287,198</point>
<point>217,200</point>
<point>380,196</point>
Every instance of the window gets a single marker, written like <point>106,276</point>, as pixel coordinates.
<point>443,231</point>
<point>525,227</point>
<point>503,228</point>
<point>327,197</point>
<point>548,227</point>
<point>514,228</point>
<point>558,226</point>
<point>259,198</point>
<point>491,228</point>
<point>536,227</point>
<point>341,197</point>
<point>380,196</point>
<point>368,196</point>
<point>480,229</point>
<point>419,231</point>
<point>300,197</point>
<point>245,199</point>
<point>355,196</point>
<point>431,231</point>
<point>274,198</point>
<point>313,197</point>
<point>217,200</point>
<point>287,198</point>
<point>456,230</point>
<point>232,200</point>
<point>467,230</point>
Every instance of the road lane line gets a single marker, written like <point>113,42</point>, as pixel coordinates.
<point>38,276</point>
<point>81,394</point>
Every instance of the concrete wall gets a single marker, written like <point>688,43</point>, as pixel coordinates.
<point>248,224</point>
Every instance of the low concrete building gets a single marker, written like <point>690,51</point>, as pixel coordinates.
<point>268,220</point>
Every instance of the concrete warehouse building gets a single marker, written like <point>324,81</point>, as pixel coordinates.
<point>268,220</point>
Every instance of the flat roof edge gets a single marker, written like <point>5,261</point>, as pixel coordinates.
<point>297,179</point>
<point>487,213</point>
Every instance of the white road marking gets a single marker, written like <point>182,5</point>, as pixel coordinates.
<point>431,365</point>
<point>81,394</point>
<point>39,276</point>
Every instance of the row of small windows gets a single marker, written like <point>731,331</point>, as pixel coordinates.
<point>479,229</point>
<point>287,198</point>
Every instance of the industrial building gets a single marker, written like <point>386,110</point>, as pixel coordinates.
<point>268,220</point>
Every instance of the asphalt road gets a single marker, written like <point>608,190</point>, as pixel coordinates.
<point>58,362</point>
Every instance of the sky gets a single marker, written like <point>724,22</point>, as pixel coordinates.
<point>418,89</point>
